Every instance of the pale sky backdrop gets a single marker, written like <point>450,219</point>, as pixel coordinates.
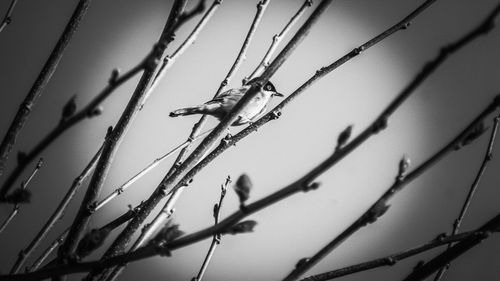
<point>118,33</point>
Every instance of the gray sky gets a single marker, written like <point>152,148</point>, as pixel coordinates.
<point>119,34</point>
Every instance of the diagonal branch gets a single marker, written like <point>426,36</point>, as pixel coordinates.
<point>90,110</point>
<point>261,7</point>
<point>7,19</point>
<point>167,183</point>
<point>392,259</point>
<point>295,187</point>
<point>41,81</point>
<point>217,237</point>
<point>22,192</point>
<point>277,38</point>
<point>487,158</point>
<point>56,216</point>
<point>422,272</point>
<point>116,135</point>
<point>379,207</point>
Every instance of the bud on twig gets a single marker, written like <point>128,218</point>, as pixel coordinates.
<point>404,164</point>
<point>376,211</point>
<point>473,134</point>
<point>18,196</point>
<point>96,111</point>
<point>114,76</point>
<point>91,241</point>
<point>69,109</point>
<point>301,262</point>
<point>344,137</point>
<point>241,227</point>
<point>242,188</point>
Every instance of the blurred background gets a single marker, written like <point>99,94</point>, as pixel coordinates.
<point>118,33</point>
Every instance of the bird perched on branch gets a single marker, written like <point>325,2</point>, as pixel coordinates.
<point>220,106</point>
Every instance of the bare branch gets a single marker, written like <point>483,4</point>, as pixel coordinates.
<point>458,221</point>
<point>36,90</point>
<point>7,19</point>
<point>217,237</point>
<point>390,260</point>
<point>379,207</point>
<point>112,142</point>
<point>22,196</point>
<point>56,216</point>
<point>261,7</point>
<point>168,61</point>
<point>422,272</point>
<point>90,110</point>
<point>281,194</point>
<point>277,38</point>
<point>144,171</point>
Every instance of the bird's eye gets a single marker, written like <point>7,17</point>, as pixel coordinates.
<point>268,87</point>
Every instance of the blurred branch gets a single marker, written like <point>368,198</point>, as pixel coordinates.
<point>276,111</point>
<point>277,38</point>
<point>458,221</point>
<point>380,207</point>
<point>120,244</point>
<point>297,186</point>
<point>22,196</point>
<point>102,203</point>
<point>392,259</point>
<point>90,110</point>
<point>7,19</point>
<point>116,135</point>
<point>422,272</point>
<point>36,90</point>
<point>217,237</point>
<point>56,216</point>
<point>153,227</point>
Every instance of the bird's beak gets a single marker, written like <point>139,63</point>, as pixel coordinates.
<point>278,94</point>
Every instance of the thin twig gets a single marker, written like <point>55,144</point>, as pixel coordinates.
<point>90,110</point>
<point>101,203</point>
<point>7,19</point>
<point>24,186</point>
<point>276,111</point>
<point>261,7</point>
<point>458,221</point>
<point>380,206</point>
<point>153,249</point>
<point>168,61</point>
<point>56,216</point>
<point>112,142</point>
<point>36,90</point>
<point>144,171</point>
<point>277,38</point>
<point>167,183</point>
<point>217,237</point>
<point>390,260</point>
<point>160,219</point>
<point>424,271</point>
<point>45,254</point>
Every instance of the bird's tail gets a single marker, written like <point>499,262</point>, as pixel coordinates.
<point>186,111</point>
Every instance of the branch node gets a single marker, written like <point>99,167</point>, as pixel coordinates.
<point>380,125</point>
<point>406,25</point>
<point>275,114</point>
<point>311,186</point>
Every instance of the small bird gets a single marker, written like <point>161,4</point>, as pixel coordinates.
<point>220,106</point>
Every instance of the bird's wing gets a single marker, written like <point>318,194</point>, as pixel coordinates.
<point>233,95</point>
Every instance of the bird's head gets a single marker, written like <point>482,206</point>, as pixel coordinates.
<point>269,87</point>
